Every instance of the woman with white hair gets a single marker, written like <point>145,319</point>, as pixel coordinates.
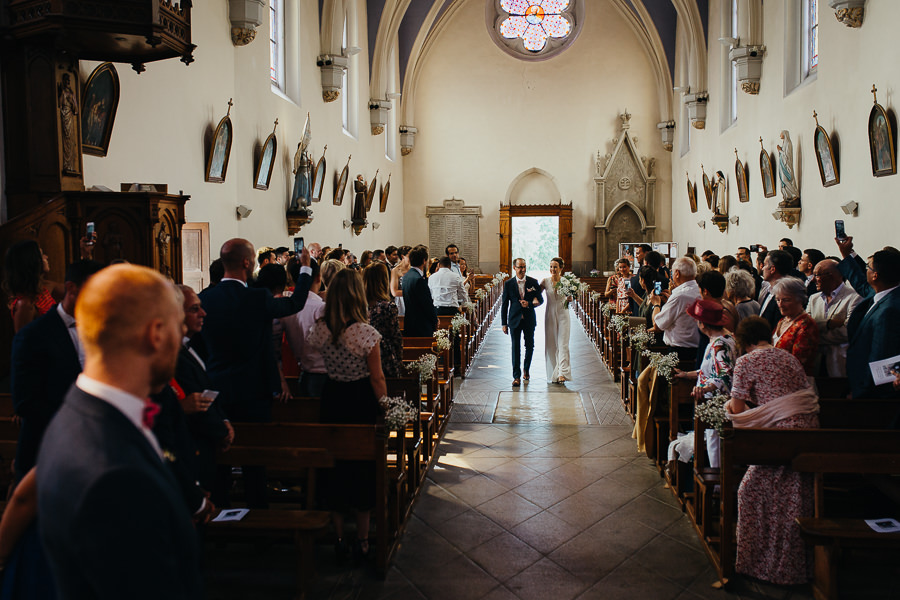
<point>796,332</point>
<point>739,288</point>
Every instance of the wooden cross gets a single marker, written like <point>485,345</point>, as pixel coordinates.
<point>736,154</point>
<point>816,117</point>
<point>276,125</point>
<point>230,104</point>
<point>874,96</point>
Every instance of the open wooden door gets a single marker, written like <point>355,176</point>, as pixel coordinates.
<point>507,212</point>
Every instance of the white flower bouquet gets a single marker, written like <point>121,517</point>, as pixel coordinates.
<point>468,306</point>
<point>606,310</point>
<point>665,363</point>
<point>480,294</point>
<point>424,366</point>
<point>397,412</point>
<point>712,412</point>
<point>441,340</point>
<point>640,337</point>
<point>569,285</point>
<point>596,296</point>
<point>458,321</point>
<point>501,276</point>
<point>618,322</point>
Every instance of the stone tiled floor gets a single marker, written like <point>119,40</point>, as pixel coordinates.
<point>532,511</point>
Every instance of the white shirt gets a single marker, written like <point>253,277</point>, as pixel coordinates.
<point>833,343</point>
<point>297,329</point>
<point>455,268</point>
<point>69,322</point>
<point>679,328</point>
<point>447,289</point>
<point>521,283</point>
<point>127,404</point>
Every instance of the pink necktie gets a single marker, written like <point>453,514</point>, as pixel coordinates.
<point>151,409</point>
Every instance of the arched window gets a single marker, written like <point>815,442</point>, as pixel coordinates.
<point>534,29</point>
<point>276,43</point>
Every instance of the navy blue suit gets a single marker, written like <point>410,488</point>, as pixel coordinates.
<point>420,319</point>
<point>44,365</point>
<point>520,320</point>
<point>873,336</point>
<point>238,335</point>
<point>853,268</point>
<point>112,519</point>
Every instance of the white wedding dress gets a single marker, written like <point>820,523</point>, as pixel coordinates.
<point>556,334</point>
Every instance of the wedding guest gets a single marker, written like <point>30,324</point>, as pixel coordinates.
<point>776,265</point>
<point>329,269</point>
<point>830,309</point>
<point>297,329</point>
<point>616,285</point>
<point>463,268</point>
<point>366,259</point>
<point>769,546</point>
<point>397,272</point>
<point>383,317</point>
<point>714,373</point>
<point>796,332</point>
<point>739,289</point>
<point>726,263</point>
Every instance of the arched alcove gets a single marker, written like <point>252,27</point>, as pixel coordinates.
<point>624,226</point>
<point>534,186</point>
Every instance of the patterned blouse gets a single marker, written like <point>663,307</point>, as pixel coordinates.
<point>718,364</point>
<point>766,374</point>
<point>383,317</point>
<point>801,339</point>
<point>347,360</point>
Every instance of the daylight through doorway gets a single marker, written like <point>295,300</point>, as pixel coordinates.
<point>536,239</point>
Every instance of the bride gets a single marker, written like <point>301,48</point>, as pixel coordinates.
<point>556,327</point>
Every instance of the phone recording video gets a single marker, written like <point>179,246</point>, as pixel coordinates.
<point>657,288</point>
<point>839,231</point>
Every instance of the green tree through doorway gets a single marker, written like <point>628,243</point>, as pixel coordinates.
<point>536,239</point>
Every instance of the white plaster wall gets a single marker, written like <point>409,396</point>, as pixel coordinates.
<point>850,61</point>
<point>164,112</point>
<point>485,117</point>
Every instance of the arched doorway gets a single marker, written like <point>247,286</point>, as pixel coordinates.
<point>507,212</point>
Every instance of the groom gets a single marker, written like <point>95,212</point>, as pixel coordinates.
<point>520,295</point>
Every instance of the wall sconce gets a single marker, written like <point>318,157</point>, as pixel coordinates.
<point>851,208</point>
<point>407,139</point>
<point>375,226</point>
<point>696,105</point>
<point>245,17</point>
<point>667,133</point>
<point>332,67</point>
<point>356,225</point>
<point>243,211</point>
<point>735,220</point>
<point>702,224</point>
<point>378,115</point>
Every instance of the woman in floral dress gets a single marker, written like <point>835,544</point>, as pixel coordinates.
<point>797,331</point>
<point>769,546</point>
<point>718,360</point>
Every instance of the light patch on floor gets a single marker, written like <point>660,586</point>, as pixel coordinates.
<point>540,407</point>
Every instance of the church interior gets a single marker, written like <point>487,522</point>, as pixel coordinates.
<point>172,126</point>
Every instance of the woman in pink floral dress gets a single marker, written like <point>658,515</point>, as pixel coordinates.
<point>769,546</point>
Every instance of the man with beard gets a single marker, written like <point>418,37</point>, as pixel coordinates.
<point>113,522</point>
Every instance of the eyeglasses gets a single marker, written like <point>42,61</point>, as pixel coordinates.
<point>871,268</point>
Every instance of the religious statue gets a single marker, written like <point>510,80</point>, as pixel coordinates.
<point>720,202</point>
<point>300,197</point>
<point>360,189</point>
<point>68,117</point>
<point>790,191</point>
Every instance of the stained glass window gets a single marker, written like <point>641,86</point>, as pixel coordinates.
<point>534,21</point>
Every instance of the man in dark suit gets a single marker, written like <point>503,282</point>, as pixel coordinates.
<point>421,316</point>
<point>520,295</point>
<point>113,522</point>
<point>46,361</point>
<point>807,265</point>
<point>873,326</point>
<point>776,265</point>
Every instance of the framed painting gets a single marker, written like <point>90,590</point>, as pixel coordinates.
<point>220,151</point>
<point>266,161</point>
<point>382,205</point>
<point>740,177</point>
<point>99,102</point>
<point>318,178</point>
<point>707,189</point>
<point>692,193</point>
<point>342,184</point>
<point>881,141</point>
<point>370,193</point>
<point>828,170</point>
<point>766,172</point>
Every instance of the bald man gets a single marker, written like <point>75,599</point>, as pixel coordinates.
<point>830,308</point>
<point>113,522</point>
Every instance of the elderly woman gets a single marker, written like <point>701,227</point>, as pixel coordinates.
<point>617,285</point>
<point>740,289</point>
<point>796,332</point>
<point>769,546</point>
<point>352,352</point>
<point>715,370</point>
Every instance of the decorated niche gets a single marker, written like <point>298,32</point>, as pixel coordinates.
<point>625,197</point>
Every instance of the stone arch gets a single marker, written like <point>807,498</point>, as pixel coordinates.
<point>625,225</point>
<point>533,186</point>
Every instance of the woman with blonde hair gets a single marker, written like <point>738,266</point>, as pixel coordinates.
<point>352,352</point>
<point>397,274</point>
<point>330,268</point>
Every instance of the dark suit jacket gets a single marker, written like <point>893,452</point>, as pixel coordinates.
<point>511,312</point>
<point>853,268</point>
<point>873,336</point>
<point>171,431</point>
<point>113,522</point>
<point>772,313</point>
<point>238,334</point>
<point>420,319</point>
<point>44,365</point>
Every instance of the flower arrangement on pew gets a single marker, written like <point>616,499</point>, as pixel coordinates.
<point>639,338</point>
<point>712,412</point>
<point>619,323</point>
<point>480,294</point>
<point>595,273</point>
<point>596,296</point>
<point>457,322</point>
<point>501,276</point>
<point>441,340</point>
<point>569,285</point>
<point>606,310</point>
<point>424,366</point>
<point>665,363</point>
<point>470,307</point>
<point>397,412</point>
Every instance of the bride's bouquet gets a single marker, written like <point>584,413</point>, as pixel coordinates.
<point>569,285</point>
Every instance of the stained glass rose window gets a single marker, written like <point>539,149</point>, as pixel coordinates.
<point>534,21</point>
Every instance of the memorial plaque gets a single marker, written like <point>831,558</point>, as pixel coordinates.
<point>454,223</point>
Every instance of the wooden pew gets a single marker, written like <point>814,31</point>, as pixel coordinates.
<point>777,447</point>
